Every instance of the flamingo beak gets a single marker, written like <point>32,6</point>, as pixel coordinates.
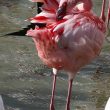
<point>61,12</point>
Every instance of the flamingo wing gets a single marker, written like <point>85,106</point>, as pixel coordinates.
<point>48,13</point>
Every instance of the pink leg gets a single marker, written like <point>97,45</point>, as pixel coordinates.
<point>69,94</point>
<point>103,11</point>
<point>108,15</point>
<point>53,92</point>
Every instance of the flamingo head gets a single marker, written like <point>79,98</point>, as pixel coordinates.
<point>61,12</point>
<point>64,7</point>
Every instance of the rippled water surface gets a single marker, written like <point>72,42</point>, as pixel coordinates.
<point>25,83</point>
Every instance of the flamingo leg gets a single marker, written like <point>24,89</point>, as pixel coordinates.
<point>53,90</point>
<point>108,15</point>
<point>69,94</point>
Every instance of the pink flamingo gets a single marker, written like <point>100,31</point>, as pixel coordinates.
<point>72,38</point>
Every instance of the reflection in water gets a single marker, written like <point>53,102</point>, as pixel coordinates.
<point>25,81</point>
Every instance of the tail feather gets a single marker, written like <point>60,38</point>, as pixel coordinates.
<point>43,17</point>
<point>48,12</point>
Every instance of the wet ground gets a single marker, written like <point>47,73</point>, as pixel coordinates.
<point>25,83</point>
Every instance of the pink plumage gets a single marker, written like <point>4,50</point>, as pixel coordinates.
<point>36,0</point>
<point>72,38</point>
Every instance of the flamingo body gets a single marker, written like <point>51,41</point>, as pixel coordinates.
<point>71,43</point>
<point>72,38</point>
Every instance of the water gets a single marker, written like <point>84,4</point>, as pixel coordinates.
<point>25,83</point>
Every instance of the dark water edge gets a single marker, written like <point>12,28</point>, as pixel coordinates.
<point>25,83</point>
